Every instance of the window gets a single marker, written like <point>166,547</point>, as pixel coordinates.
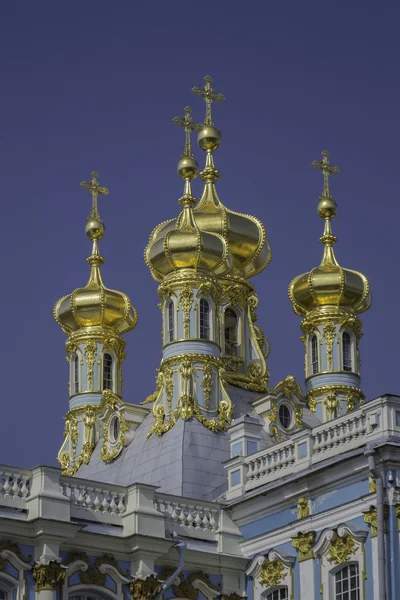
<point>171,322</point>
<point>314,355</point>
<point>107,372</point>
<point>347,583</point>
<point>346,351</point>
<point>75,374</point>
<point>115,428</point>
<point>280,594</point>
<point>3,594</point>
<point>285,416</point>
<point>235,477</point>
<point>204,319</point>
<point>237,449</point>
<point>251,448</point>
<point>230,332</point>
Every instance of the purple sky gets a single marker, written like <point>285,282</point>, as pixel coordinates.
<point>95,85</point>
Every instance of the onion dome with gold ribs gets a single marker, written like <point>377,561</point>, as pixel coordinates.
<point>329,286</point>
<point>95,305</point>
<point>179,243</point>
<point>244,235</point>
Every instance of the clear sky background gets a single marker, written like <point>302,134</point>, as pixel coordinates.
<point>95,85</point>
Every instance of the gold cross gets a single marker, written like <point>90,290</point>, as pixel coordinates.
<point>210,96</point>
<point>325,166</point>
<point>95,188</point>
<point>189,126</point>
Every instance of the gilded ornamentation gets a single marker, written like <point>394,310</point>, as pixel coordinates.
<point>331,402</point>
<point>272,413</point>
<point>232,596</point>
<point>298,417</point>
<point>329,335</point>
<point>371,518</point>
<point>71,347</point>
<point>110,400</point>
<point>304,542</point>
<point>303,508</point>
<point>90,357</point>
<point>145,589</point>
<point>159,385</point>
<point>234,294</point>
<point>272,573</point>
<point>89,419</point>
<point>48,576</point>
<point>186,300</point>
<point>312,403</point>
<point>372,484</point>
<point>341,549</point>
<point>111,451</point>
<point>207,384</point>
<point>289,387</point>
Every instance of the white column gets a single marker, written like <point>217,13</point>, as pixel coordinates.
<point>307,587</point>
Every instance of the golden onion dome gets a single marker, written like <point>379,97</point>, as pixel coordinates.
<point>180,243</point>
<point>95,305</point>
<point>329,285</point>
<point>243,236</point>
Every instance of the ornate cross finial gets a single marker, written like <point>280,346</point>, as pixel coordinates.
<point>209,96</point>
<point>95,189</point>
<point>325,166</point>
<point>189,126</point>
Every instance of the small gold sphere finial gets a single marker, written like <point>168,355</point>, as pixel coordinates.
<point>94,229</point>
<point>327,207</point>
<point>209,138</point>
<point>188,167</point>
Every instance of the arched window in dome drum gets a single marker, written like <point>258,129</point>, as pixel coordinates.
<point>171,322</point>
<point>346,351</point>
<point>107,372</point>
<point>75,374</point>
<point>204,319</point>
<point>314,355</point>
<point>230,332</point>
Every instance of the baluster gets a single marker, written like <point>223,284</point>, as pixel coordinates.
<point>213,521</point>
<point>15,486</point>
<point>174,514</point>
<point>88,498</point>
<point>113,505</point>
<point>197,520</point>
<point>121,505</point>
<point>190,517</point>
<point>24,486</point>
<point>96,501</point>
<point>105,504</point>
<point>81,498</point>
<point>6,486</point>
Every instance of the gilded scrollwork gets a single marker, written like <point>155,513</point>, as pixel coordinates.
<point>90,356</point>
<point>110,451</point>
<point>304,542</point>
<point>272,573</point>
<point>186,301</point>
<point>207,383</point>
<point>145,589</point>
<point>329,335</point>
<point>341,549</point>
<point>48,575</point>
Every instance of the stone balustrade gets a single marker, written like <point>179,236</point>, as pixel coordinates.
<point>14,486</point>
<point>199,519</point>
<point>375,419</point>
<point>104,501</point>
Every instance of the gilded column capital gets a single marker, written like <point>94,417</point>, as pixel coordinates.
<point>145,589</point>
<point>48,575</point>
<point>303,542</point>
